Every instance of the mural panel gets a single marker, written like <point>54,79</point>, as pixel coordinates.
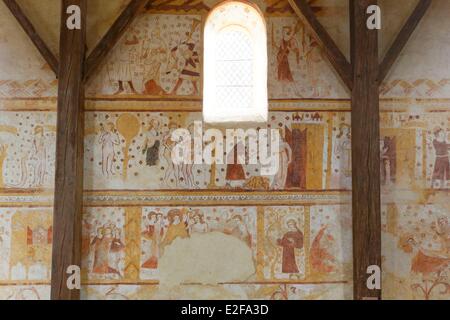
<point>124,149</point>
<point>25,244</point>
<point>27,150</point>
<point>159,56</point>
<point>416,251</point>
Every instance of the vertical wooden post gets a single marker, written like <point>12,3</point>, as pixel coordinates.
<point>68,201</point>
<point>365,149</point>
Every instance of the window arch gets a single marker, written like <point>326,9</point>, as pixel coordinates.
<point>235,64</point>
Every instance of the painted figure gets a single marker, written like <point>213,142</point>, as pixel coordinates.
<point>197,224</point>
<point>105,243</point>
<point>313,58</point>
<point>441,173</point>
<point>153,232</point>
<point>39,154</point>
<point>186,168</point>
<point>168,144</point>
<point>108,140</point>
<point>191,66</point>
<point>443,232</point>
<point>154,52</point>
<point>343,150</point>
<point>117,248</point>
<point>123,64</point>
<point>288,44</point>
<point>177,227</point>
<point>292,239</point>
<point>285,157</point>
<point>388,160</point>
<point>152,144</point>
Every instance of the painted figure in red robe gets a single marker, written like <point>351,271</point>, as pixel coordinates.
<point>104,244</point>
<point>287,45</point>
<point>293,239</point>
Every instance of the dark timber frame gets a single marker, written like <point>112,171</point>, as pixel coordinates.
<point>365,149</point>
<point>362,77</point>
<point>68,202</point>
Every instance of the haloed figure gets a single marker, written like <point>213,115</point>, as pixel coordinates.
<point>153,233</point>
<point>108,139</point>
<point>292,239</point>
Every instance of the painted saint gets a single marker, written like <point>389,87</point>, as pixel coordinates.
<point>292,240</point>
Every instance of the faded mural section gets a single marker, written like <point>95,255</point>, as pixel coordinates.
<point>234,233</point>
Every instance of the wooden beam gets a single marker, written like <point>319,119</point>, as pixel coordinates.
<point>29,29</point>
<point>402,38</point>
<point>113,35</point>
<point>365,149</point>
<point>68,201</point>
<point>334,54</point>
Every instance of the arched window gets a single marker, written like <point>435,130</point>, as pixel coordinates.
<point>235,64</point>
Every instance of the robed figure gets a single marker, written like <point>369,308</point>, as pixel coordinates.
<point>293,239</point>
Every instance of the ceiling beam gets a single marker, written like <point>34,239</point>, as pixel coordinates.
<point>68,199</point>
<point>113,35</point>
<point>402,38</point>
<point>29,29</point>
<point>331,50</point>
<point>365,119</point>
